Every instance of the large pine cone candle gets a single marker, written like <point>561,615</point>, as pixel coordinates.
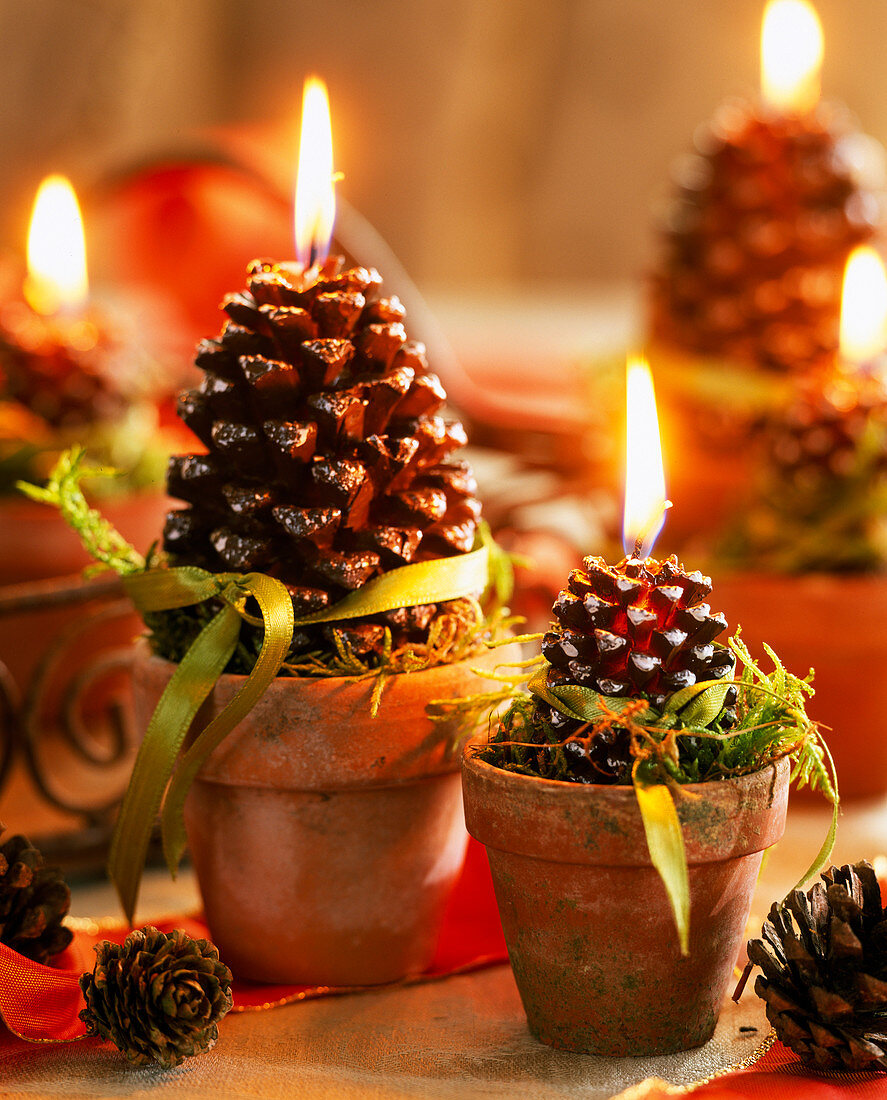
<point>756,239</point>
<point>328,462</point>
<point>33,902</point>
<point>158,997</point>
<point>639,629</point>
<point>824,960</point>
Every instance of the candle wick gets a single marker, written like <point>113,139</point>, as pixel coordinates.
<point>641,549</point>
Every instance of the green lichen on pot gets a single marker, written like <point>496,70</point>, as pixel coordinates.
<point>633,688</point>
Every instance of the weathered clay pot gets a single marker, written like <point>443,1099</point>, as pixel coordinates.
<point>590,932</point>
<point>832,624</point>
<point>36,544</point>
<point>327,842</point>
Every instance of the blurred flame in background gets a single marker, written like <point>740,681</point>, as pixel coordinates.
<point>863,307</point>
<point>57,278</point>
<point>791,56</point>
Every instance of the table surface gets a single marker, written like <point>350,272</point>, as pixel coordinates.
<point>463,1035</point>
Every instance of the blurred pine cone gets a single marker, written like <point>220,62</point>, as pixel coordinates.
<point>33,902</point>
<point>157,998</point>
<point>60,383</point>
<point>755,241</point>
<point>824,960</point>
<point>328,463</point>
<point>822,498</point>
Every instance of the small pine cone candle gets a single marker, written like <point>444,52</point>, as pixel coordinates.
<point>158,998</point>
<point>823,482</point>
<point>755,242</point>
<point>34,900</point>
<point>64,381</point>
<point>637,629</point>
<point>328,462</point>
<point>824,960</point>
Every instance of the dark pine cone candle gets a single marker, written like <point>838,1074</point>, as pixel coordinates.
<point>640,629</point>
<point>766,212</point>
<point>328,462</point>
<point>824,960</point>
<point>34,900</point>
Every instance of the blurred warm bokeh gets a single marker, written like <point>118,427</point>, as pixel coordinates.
<point>514,144</point>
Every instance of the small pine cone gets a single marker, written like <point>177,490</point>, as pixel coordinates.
<point>636,629</point>
<point>824,960</point>
<point>755,242</point>
<point>328,463</point>
<point>33,902</point>
<point>157,998</point>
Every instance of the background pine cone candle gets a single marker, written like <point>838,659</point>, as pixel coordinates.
<point>767,211</point>
<point>822,499</point>
<point>328,460</point>
<point>824,960</point>
<point>34,900</point>
<point>158,998</point>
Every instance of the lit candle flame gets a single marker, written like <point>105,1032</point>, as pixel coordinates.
<point>56,250</point>
<point>791,56</point>
<point>645,503</point>
<point>315,191</point>
<point>863,308</point>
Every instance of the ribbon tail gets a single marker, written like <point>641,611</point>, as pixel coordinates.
<point>277,616</point>
<point>191,683</point>
<point>665,842</point>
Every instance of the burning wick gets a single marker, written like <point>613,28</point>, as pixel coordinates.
<point>643,544</point>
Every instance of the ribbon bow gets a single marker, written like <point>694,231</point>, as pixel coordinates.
<point>157,785</point>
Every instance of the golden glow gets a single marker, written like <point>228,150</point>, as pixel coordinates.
<point>791,56</point>
<point>863,308</point>
<point>645,502</point>
<point>56,250</point>
<point>315,192</point>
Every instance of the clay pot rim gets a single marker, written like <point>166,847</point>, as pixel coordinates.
<point>615,792</point>
<point>145,653</point>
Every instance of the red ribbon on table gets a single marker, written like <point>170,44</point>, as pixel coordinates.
<point>43,1003</point>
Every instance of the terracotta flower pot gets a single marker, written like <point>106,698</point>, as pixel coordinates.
<point>36,544</point>
<point>327,842</point>
<point>833,624</point>
<point>590,932</point>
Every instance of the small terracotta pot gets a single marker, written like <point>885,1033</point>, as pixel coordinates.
<point>590,932</point>
<point>834,625</point>
<point>327,842</point>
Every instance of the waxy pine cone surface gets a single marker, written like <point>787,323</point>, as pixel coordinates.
<point>639,629</point>
<point>756,239</point>
<point>328,461</point>
<point>158,997</point>
<point>33,902</point>
<point>824,960</point>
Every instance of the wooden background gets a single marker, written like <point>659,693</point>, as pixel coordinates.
<point>507,143</point>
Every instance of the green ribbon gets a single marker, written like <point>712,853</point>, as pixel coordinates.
<point>153,787</point>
